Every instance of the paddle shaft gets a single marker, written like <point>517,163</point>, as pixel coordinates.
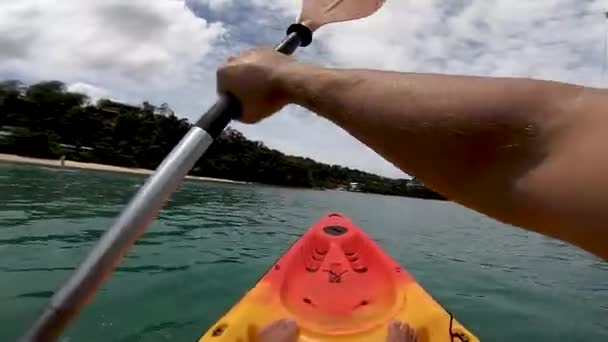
<point>143,208</point>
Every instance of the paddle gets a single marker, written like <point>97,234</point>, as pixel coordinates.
<point>143,207</point>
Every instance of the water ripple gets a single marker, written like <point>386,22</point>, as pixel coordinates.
<point>213,241</point>
<point>37,269</point>
<point>152,269</point>
<point>39,294</point>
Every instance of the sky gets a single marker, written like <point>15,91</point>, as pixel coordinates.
<point>169,50</point>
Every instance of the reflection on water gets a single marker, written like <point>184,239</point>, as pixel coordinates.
<point>213,241</point>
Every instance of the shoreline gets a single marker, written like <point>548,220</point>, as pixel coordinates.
<point>70,164</point>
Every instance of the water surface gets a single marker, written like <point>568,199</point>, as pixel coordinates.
<point>213,241</point>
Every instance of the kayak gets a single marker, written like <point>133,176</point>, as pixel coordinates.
<point>339,285</point>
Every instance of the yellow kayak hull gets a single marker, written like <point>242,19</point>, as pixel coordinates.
<point>339,285</point>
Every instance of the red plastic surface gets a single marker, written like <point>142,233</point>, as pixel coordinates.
<point>335,278</point>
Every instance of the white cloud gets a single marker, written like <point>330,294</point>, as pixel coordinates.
<point>159,50</point>
<point>93,92</point>
<point>126,46</point>
<point>285,7</point>
<point>550,39</point>
<point>217,5</point>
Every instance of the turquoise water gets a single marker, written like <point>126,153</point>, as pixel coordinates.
<point>213,241</point>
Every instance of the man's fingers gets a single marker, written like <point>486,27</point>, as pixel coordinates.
<point>240,56</point>
<point>250,55</point>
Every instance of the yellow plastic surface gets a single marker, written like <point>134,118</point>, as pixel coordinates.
<point>339,285</point>
<point>260,307</point>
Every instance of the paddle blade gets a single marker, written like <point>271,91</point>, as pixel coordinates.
<point>316,13</point>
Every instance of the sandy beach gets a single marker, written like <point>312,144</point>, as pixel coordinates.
<point>70,164</point>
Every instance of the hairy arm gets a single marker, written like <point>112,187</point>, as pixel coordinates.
<point>529,153</point>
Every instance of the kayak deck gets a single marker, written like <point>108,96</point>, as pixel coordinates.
<point>339,285</point>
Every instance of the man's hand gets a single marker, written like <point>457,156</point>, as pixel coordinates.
<point>529,153</point>
<point>254,78</point>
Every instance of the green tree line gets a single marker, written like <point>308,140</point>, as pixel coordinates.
<point>45,120</point>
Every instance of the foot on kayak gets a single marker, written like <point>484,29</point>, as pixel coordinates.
<point>280,331</point>
<point>287,331</point>
<point>400,332</point>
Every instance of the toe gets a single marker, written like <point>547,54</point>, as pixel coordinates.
<point>272,326</point>
<point>288,324</point>
<point>395,325</point>
<point>394,332</point>
<point>409,333</point>
<point>279,331</point>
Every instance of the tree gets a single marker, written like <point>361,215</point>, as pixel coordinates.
<point>25,142</point>
<point>47,116</point>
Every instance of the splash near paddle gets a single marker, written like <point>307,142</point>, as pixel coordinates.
<point>339,285</point>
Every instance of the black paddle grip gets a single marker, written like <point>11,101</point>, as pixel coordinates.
<point>228,107</point>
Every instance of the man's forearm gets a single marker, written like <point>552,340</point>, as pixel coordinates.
<point>472,139</point>
<point>451,131</point>
<point>530,153</point>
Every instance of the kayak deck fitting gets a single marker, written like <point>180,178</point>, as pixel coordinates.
<point>339,285</point>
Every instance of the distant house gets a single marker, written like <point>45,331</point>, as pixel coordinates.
<point>115,108</point>
<point>6,131</point>
<point>415,183</point>
<point>73,148</point>
<point>353,186</point>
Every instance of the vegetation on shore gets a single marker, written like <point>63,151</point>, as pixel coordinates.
<point>45,120</point>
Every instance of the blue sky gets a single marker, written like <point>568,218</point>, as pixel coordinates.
<point>168,50</point>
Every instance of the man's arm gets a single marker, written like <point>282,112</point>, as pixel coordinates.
<point>529,153</point>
